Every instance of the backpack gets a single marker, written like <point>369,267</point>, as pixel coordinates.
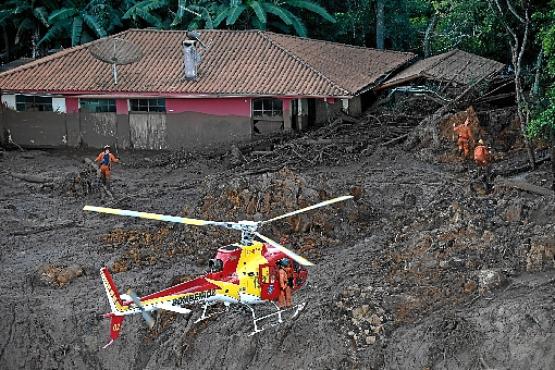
<point>105,159</point>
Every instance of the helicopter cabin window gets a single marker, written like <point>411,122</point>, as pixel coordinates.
<point>33,103</point>
<point>215,265</point>
<point>98,105</point>
<point>147,105</point>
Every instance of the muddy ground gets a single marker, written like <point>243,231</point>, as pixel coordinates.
<point>422,270</point>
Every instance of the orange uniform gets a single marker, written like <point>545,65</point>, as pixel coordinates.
<point>284,289</point>
<point>481,155</point>
<point>105,158</point>
<point>464,135</point>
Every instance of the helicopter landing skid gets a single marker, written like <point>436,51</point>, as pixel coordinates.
<point>298,308</point>
<point>203,316</point>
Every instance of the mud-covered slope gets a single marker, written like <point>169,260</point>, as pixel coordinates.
<point>417,271</point>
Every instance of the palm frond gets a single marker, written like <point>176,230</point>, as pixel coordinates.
<point>259,11</point>
<point>42,15</point>
<point>220,17</point>
<point>93,23</point>
<point>53,33</point>
<point>62,14</point>
<point>76,31</point>
<point>234,14</point>
<point>277,11</point>
<point>313,7</point>
<point>297,23</point>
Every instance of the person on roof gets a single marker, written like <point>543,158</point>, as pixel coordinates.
<point>284,299</point>
<point>105,160</point>
<point>464,136</point>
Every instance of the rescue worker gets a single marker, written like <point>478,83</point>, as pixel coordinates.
<point>482,158</point>
<point>464,135</point>
<point>284,299</point>
<point>481,154</point>
<point>105,160</point>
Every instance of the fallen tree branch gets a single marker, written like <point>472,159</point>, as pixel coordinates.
<point>43,228</point>
<point>522,185</point>
<point>395,140</point>
<point>33,178</point>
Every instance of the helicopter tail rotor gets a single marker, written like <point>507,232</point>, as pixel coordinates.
<point>294,256</point>
<point>146,316</point>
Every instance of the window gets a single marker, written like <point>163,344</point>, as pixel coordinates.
<point>148,105</point>
<point>33,103</point>
<point>267,107</point>
<point>98,105</point>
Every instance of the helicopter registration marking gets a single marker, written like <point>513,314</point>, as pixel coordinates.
<point>194,297</point>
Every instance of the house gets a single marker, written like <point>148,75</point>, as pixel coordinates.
<point>456,68</point>
<point>183,92</point>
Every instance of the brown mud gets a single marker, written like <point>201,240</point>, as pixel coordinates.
<point>422,270</point>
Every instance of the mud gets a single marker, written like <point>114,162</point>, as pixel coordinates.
<point>418,271</point>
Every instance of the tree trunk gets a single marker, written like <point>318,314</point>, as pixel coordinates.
<point>428,36</point>
<point>380,23</point>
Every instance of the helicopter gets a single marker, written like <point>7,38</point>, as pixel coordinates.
<point>241,273</point>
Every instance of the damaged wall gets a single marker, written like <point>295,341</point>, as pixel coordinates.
<point>137,130</point>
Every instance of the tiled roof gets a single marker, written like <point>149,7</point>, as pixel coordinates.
<point>236,63</point>
<point>454,66</point>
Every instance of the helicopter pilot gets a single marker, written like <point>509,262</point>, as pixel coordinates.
<point>284,300</point>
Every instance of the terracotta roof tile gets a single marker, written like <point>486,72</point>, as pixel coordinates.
<point>244,63</point>
<point>454,66</point>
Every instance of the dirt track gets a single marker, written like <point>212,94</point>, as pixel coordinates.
<point>419,271</point>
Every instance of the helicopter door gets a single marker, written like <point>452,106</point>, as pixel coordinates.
<point>269,289</point>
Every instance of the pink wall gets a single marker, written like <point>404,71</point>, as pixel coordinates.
<point>72,105</point>
<point>121,106</point>
<point>216,106</point>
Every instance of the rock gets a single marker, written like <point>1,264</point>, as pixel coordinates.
<point>514,212</point>
<point>541,255</point>
<point>489,280</point>
<point>370,340</point>
<point>60,276</point>
<point>375,320</point>
<point>469,287</point>
<point>360,313</point>
<point>351,333</point>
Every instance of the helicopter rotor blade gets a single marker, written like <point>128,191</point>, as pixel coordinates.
<point>318,205</point>
<point>158,217</point>
<point>146,316</point>
<point>294,256</point>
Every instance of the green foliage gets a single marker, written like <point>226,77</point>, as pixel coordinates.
<point>544,120</point>
<point>544,117</point>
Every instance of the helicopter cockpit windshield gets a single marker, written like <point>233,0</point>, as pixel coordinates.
<point>215,265</point>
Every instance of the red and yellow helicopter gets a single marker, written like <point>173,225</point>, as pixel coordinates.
<point>241,273</point>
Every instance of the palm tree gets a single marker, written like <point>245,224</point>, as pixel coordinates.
<point>28,19</point>
<point>81,21</point>
<point>161,13</point>
<point>261,13</point>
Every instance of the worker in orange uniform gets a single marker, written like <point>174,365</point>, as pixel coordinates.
<point>464,135</point>
<point>482,158</point>
<point>105,160</point>
<point>284,299</point>
<point>481,154</point>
